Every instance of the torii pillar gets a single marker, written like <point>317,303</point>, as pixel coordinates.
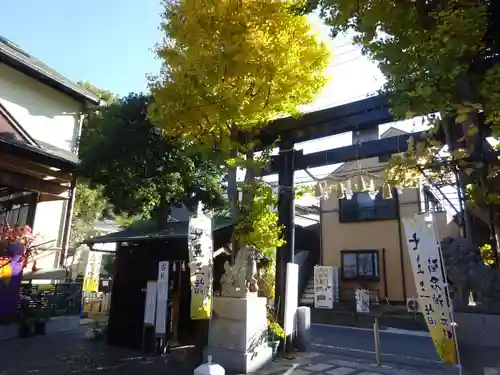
<point>286,219</point>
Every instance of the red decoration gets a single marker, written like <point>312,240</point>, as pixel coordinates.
<point>23,235</point>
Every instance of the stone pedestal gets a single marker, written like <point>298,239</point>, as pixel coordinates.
<point>238,334</point>
<point>479,348</point>
<point>303,340</point>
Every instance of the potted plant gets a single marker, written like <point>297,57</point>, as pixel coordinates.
<point>275,334</point>
<point>27,322</point>
<point>42,314</point>
<point>17,246</point>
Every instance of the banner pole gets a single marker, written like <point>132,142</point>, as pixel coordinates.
<point>448,296</point>
<point>211,293</point>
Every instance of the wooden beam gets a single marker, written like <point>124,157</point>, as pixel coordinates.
<point>28,172</point>
<point>362,114</point>
<point>36,155</point>
<point>365,150</point>
<point>35,169</point>
<point>50,198</point>
<point>25,182</point>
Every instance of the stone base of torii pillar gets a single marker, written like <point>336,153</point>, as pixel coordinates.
<point>238,334</point>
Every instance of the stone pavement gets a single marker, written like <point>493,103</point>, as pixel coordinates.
<point>330,364</point>
<point>74,353</point>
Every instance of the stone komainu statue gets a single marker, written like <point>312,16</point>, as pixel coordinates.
<point>240,278</point>
<point>467,273</point>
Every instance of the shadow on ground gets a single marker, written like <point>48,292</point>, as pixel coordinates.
<point>75,353</point>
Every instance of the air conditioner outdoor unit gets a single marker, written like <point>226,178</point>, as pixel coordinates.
<point>412,304</point>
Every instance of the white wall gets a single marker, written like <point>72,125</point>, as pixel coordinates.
<point>48,225</point>
<point>51,117</point>
<point>78,262</point>
<point>46,114</point>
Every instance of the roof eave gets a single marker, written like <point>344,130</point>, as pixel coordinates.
<point>41,76</point>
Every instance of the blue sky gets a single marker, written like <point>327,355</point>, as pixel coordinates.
<point>106,42</point>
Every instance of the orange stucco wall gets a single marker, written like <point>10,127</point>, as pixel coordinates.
<point>376,235</point>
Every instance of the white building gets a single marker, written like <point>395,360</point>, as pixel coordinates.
<point>40,122</point>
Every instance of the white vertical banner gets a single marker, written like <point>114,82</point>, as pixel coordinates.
<point>150,305</point>
<point>291,298</point>
<point>92,272</point>
<point>200,247</point>
<point>162,297</point>
<point>430,280</point>
<point>323,287</point>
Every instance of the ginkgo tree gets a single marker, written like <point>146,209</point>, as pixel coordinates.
<point>230,67</point>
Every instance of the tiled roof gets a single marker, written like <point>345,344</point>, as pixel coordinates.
<point>149,229</point>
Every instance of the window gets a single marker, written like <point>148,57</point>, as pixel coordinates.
<point>431,203</point>
<point>361,207</point>
<point>17,211</point>
<point>360,265</point>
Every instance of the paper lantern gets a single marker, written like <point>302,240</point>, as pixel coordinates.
<point>386,191</point>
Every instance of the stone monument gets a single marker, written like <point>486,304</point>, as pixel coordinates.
<point>238,333</point>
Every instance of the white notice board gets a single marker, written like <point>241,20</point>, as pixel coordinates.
<point>162,298</point>
<point>150,306</point>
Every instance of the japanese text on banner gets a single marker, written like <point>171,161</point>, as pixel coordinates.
<point>200,246</point>
<point>92,273</point>
<point>425,257</point>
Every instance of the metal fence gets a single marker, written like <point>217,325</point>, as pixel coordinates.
<point>50,300</point>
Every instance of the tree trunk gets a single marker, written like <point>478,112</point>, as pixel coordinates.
<point>232,192</point>
<point>474,144</point>
<point>248,192</point>
<point>452,146</point>
<point>162,212</point>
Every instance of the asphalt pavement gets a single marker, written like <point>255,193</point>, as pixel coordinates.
<point>396,347</point>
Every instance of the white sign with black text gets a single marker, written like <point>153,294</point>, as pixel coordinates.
<point>162,297</point>
<point>150,306</point>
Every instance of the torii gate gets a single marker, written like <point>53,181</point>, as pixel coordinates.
<point>357,116</point>
<point>361,115</point>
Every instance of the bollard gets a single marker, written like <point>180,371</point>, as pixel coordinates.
<point>377,341</point>
<point>303,340</point>
<point>209,368</point>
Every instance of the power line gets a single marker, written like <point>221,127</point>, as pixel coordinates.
<point>356,49</point>
<point>347,61</point>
